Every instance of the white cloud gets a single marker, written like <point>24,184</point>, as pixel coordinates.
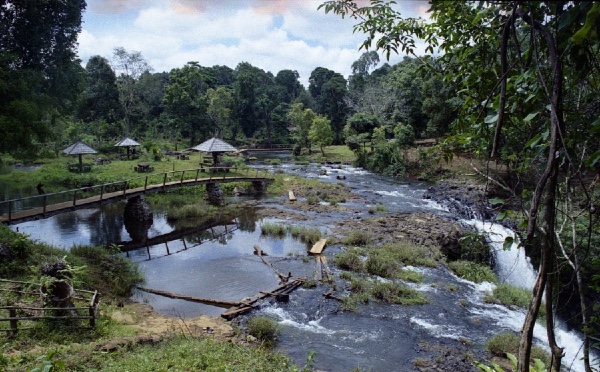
<point>270,34</point>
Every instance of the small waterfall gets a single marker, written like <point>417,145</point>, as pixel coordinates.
<point>513,267</point>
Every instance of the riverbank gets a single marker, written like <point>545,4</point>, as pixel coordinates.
<point>317,203</point>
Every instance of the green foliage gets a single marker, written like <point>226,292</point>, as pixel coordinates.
<point>396,293</point>
<point>264,329</point>
<point>273,229</point>
<point>473,271</point>
<point>358,237</point>
<point>320,133</point>
<point>350,260</point>
<point>509,295</point>
<point>508,343</point>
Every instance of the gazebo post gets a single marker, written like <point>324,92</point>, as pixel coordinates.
<point>80,164</point>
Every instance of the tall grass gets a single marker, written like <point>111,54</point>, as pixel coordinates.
<point>473,271</point>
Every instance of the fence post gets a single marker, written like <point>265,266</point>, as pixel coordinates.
<point>9,210</point>
<point>164,181</point>
<point>145,184</point>
<point>125,188</point>
<point>101,191</point>
<point>44,209</point>
<point>197,171</point>
<point>12,313</point>
<point>74,197</point>
<point>182,173</point>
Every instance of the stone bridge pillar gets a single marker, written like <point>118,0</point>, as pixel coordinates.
<point>259,187</point>
<point>214,194</point>
<point>138,218</point>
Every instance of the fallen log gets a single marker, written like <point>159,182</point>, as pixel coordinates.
<point>207,301</point>
<point>258,251</point>
<point>323,267</point>
<point>333,297</point>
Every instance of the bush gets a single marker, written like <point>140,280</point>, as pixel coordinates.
<point>397,294</point>
<point>271,229</point>
<point>308,235</point>
<point>359,237</point>
<point>509,295</point>
<point>382,266</point>
<point>472,271</point>
<point>349,261</point>
<point>264,329</point>
<point>508,342</point>
<point>411,254</point>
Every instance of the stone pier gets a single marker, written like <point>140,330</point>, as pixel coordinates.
<point>260,187</point>
<point>138,218</point>
<point>214,194</point>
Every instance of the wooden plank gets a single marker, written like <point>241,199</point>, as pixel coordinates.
<point>259,252</point>
<point>247,305</point>
<point>318,246</point>
<point>207,301</point>
<point>291,195</point>
<point>325,272</point>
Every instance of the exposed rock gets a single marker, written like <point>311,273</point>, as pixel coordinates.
<point>214,194</point>
<point>137,218</point>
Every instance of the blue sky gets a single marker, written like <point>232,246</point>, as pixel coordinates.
<point>270,34</point>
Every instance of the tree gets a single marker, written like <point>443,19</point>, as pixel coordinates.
<point>320,133</point>
<point>39,71</point>
<point>186,100</point>
<point>220,103</point>
<point>301,120</point>
<point>100,98</point>
<point>329,89</point>
<point>514,107</point>
<point>129,67</point>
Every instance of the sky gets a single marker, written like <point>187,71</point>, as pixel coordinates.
<point>273,35</point>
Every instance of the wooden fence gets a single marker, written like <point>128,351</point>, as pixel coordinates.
<point>25,307</point>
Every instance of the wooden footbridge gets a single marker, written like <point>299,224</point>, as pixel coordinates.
<point>46,205</point>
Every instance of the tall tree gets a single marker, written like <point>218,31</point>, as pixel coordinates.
<point>186,100</point>
<point>220,104</point>
<point>329,89</point>
<point>40,73</point>
<point>520,69</point>
<point>100,98</point>
<point>129,67</point>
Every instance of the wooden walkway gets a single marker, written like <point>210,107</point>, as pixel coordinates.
<point>96,195</point>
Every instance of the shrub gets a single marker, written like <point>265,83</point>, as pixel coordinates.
<point>359,237</point>
<point>508,342</point>
<point>396,293</point>
<point>380,265</point>
<point>264,329</point>
<point>509,295</point>
<point>472,271</point>
<point>411,254</point>
<point>272,229</point>
<point>308,235</point>
<point>349,261</point>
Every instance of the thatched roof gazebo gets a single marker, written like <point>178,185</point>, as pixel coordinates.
<point>79,148</point>
<point>128,143</point>
<point>215,147</point>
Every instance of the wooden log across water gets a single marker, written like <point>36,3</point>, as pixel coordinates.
<point>332,296</point>
<point>207,301</point>
<point>260,253</point>
<point>323,268</point>
<point>248,304</point>
<point>318,246</point>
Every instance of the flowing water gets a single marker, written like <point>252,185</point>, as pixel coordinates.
<point>218,263</point>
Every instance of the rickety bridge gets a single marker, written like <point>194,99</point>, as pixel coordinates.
<point>46,205</point>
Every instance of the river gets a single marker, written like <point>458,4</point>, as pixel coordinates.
<point>218,263</point>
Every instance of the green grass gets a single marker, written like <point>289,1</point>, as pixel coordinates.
<point>359,237</point>
<point>509,295</point>
<point>349,260</point>
<point>472,271</point>
<point>308,235</point>
<point>396,293</point>
<point>264,329</point>
<point>273,229</point>
<point>175,354</point>
<point>508,342</point>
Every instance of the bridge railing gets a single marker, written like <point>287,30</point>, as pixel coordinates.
<point>106,190</point>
